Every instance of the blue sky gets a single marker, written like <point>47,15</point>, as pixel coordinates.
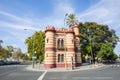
<point>35,15</point>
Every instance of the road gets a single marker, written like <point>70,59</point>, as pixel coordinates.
<point>110,72</point>
<point>17,72</point>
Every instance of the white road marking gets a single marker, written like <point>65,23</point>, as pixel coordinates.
<point>115,65</point>
<point>118,65</point>
<point>8,72</point>
<point>41,77</point>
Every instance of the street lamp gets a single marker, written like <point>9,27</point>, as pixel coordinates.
<point>33,56</point>
<point>65,41</point>
<point>90,41</point>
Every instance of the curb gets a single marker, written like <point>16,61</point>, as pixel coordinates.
<point>81,68</point>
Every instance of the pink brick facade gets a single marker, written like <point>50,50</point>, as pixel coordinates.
<point>62,47</point>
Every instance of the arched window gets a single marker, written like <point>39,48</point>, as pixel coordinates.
<point>47,40</point>
<point>58,57</point>
<point>62,58</point>
<point>58,43</point>
<point>72,41</point>
<point>62,44</point>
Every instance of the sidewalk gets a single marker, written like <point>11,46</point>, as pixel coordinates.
<point>83,67</point>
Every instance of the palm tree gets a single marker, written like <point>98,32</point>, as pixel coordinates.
<point>71,20</point>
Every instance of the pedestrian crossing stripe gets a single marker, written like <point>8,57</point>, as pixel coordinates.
<point>115,65</point>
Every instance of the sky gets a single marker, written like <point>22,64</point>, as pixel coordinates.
<point>35,15</point>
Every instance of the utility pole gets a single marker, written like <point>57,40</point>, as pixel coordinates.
<point>65,42</point>
<point>90,41</point>
<point>33,56</point>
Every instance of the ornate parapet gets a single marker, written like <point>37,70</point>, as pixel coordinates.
<point>69,31</point>
<point>50,28</point>
<point>64,30</point>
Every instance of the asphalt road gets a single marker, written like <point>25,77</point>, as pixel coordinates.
<point>110,72</point>
<point>17,72</point>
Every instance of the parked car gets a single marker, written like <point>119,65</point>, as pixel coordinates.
<point>12,62</point>
<point>2,62</point>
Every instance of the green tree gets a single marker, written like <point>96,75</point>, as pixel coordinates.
<point>3,54</point>
<point>16,54</point>
<point>106,52</point>
<point>10,49</point>
<point>35,45</point>
<point>93,34</point>
<point>115,56</point>
<point>1,41</point>
<point>24,57</point>
<point>71,20</point>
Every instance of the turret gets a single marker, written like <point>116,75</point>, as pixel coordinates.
<point>49,47</point>
<point>77,37</point>
<point>70,46</point>
<point>77,44</point>
<point>76,30</point>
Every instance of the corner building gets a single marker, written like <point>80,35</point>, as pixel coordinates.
<point>62,47</point>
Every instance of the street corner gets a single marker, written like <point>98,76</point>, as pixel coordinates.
<point>84,67</point>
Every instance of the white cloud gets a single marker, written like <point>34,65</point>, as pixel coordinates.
<point>63,7</point>
<point>57,17</point>
<point>105,11</point>
<point>35,23</point>
<point>16,26</point>
<point>14,17</point>
<point>19,23</point>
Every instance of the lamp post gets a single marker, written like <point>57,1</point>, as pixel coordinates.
<point>65,42</point>
<point>90,41</point>
<point>33,56</point>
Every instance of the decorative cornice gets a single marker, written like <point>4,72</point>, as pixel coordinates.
<point>74,26</point>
